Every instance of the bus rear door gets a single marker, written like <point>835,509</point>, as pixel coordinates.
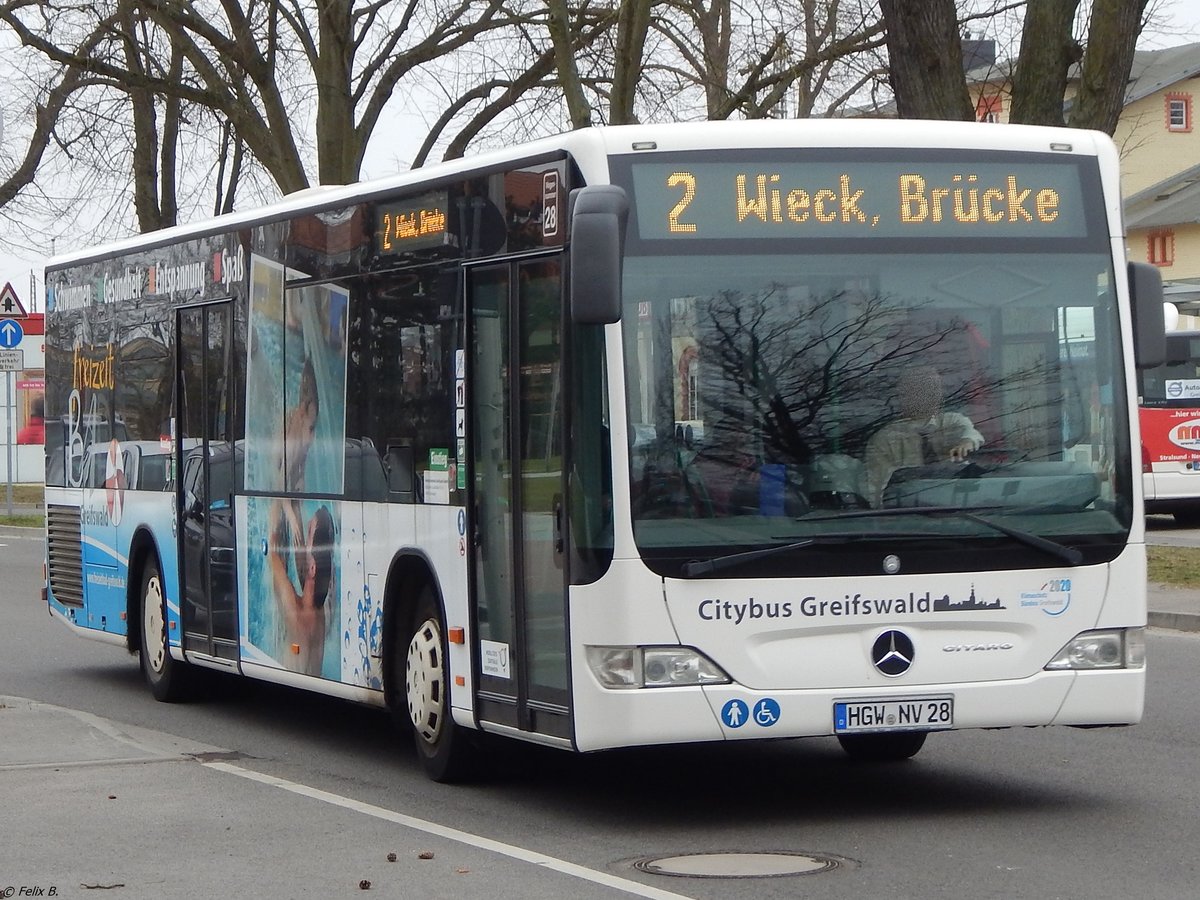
<point>208,465</point>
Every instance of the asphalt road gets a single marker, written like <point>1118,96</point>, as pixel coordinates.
<point>1164,530</point>
<point>1037,813</point>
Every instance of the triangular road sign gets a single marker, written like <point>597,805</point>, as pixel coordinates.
<point>10,303</point>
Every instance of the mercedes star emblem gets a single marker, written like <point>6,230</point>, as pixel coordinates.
<point>893,653</point>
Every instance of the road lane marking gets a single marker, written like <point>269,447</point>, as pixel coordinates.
<point>463,837</point>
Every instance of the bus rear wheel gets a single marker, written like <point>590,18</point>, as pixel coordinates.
<point>168,679</point>
<point>447,752</point>
<point>886,747</point>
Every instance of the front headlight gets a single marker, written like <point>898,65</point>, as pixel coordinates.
<point>623,668</point>
<point>1109,648</point>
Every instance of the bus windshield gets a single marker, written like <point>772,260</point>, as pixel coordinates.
<point>778,398</point>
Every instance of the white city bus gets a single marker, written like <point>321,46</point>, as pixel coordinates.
<point>608,440</point>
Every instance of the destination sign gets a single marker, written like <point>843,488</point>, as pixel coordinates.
<point>411,223</point>
<point>797,199</point>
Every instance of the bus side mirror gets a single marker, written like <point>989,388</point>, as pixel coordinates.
<point>1149,329</point>
<point>598,215</point>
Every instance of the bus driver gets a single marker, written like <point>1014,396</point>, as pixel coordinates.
<point>923,434</point>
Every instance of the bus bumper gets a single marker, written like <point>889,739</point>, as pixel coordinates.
<point>621,718</point>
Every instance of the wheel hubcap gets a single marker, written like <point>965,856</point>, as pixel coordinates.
<point>424,680</point>
<point>152,623</point>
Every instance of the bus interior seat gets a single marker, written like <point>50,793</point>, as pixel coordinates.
<point>401,472</point>
<point>671,492</point>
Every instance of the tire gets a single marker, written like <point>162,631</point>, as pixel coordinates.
<point>886,747</point>
<point>169,680</point>
<point>447,751</point>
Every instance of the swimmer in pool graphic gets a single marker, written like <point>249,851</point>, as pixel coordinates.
<point>304,611</point>
<point>299,429</point>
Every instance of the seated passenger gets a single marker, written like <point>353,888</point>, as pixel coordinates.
<point>924,434</point>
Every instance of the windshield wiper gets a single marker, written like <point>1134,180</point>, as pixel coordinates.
<point>1069,555</point>
<point>703,567</point>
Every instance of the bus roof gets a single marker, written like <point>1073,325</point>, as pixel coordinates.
<point>590,148</point>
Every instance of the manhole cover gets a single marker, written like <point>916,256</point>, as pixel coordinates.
<point>739,865</point>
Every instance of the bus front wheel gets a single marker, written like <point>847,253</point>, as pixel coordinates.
<point>446,750</point>
<point>167,678</point>
<point>885,747</point>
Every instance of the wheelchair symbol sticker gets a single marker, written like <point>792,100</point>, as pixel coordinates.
<point>766,712</point>
<point>735,713</point>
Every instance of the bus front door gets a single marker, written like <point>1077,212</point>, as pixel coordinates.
<point>518,575</point>
<point>208,459</point>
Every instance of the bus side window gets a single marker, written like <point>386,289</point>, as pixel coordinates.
<point>403,335</point>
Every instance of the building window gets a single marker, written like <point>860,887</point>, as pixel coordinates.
<point>1179,112</point>
<point>1160,249</point>
<point>693,386</point>
<point>987,109</point>
<point>689,383</point>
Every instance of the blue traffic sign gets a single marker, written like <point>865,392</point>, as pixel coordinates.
<point>11,333</point>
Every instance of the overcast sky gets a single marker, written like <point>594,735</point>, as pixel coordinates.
<point>1181,26</point>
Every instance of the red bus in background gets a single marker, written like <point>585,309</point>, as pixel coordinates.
<point>1169,412</point>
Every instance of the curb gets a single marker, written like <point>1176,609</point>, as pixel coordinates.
<point>1177,621</point>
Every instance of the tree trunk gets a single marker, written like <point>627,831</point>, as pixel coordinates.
<point>562,35</point>
<point>925,53</point>
<point>338,155</point>
<point>1112,38</point>
<point>168,153</point>
<point>1048,51</point>
<point>144,137</point>
<point>633,22</point>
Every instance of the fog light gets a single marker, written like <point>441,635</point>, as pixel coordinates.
<point>1117,648</point>
<point>622,668</point>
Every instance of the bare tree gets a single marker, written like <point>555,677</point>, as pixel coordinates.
<point>45,116</point>
<point>667,60</point>
<point>760,58</point>
<point>265,67</point>
<point>53,96</point>
<point>835,78</point>
<point>298,90</point>
<point>521,74</point>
